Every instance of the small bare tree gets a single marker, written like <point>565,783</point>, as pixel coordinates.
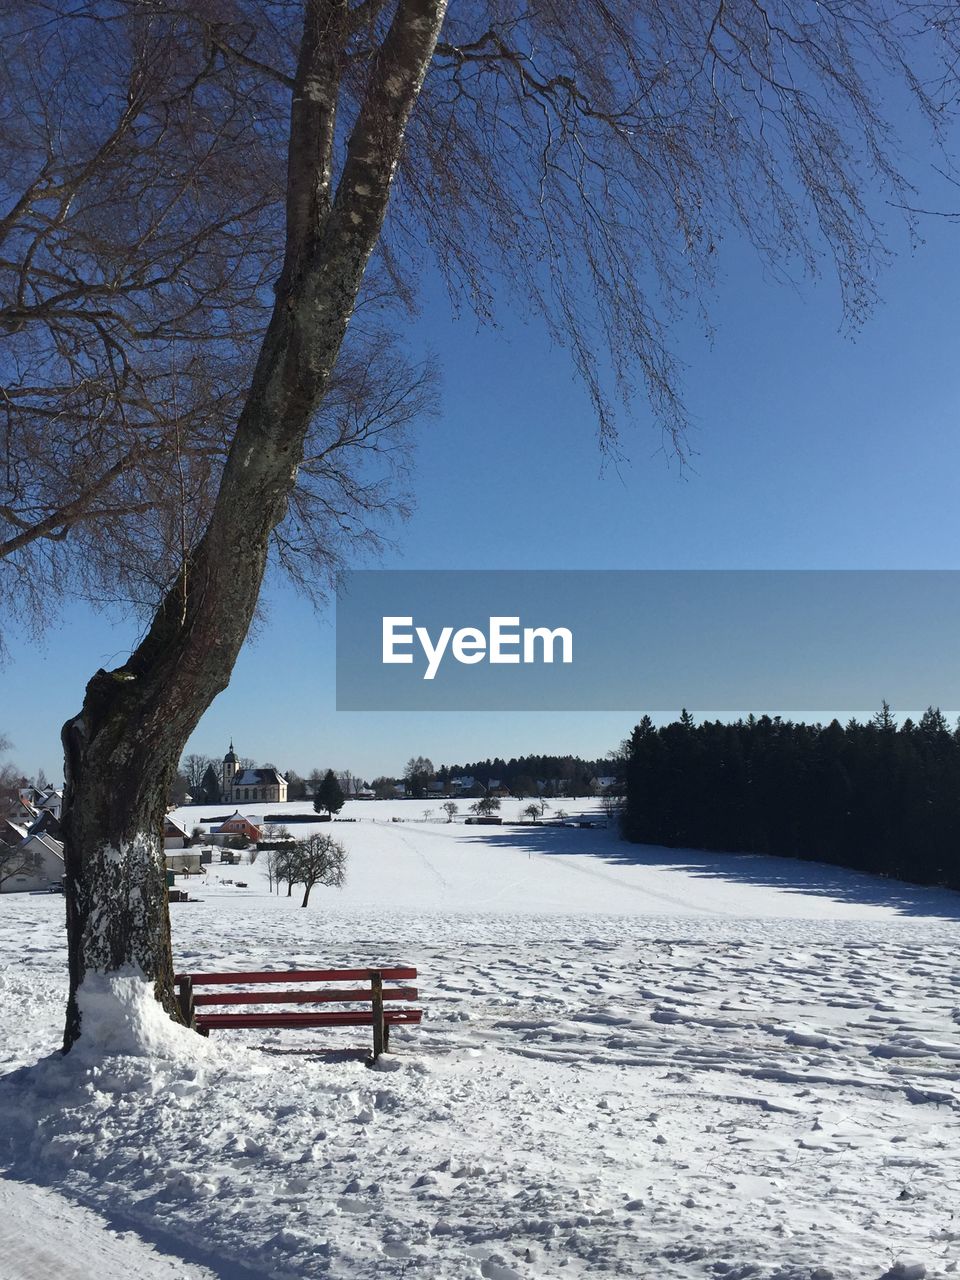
<point>317,860</point>
<point>281,868</point>
<point>612,800</point>
<point>350,784</point>
<point>486,806</point>
<point>451,809</point>
<point>274,831</point>
<point>17,860</point>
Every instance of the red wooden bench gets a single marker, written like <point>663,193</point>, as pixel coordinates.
<point>370,999</point>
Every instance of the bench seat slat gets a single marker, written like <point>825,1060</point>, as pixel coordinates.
<point>303,975</point>
<point>326,1018</point>
<point>316,996</point>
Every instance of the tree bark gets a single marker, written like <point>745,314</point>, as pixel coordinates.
<point>122,749</point>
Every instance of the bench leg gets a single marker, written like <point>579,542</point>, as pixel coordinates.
<point>185,1001</point>
<point>379,1026</point>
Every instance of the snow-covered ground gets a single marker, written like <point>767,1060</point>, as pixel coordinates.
<point>633,1062</point>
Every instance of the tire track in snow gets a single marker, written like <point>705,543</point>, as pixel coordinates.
<point>644,890</point>
<point>409,844</point>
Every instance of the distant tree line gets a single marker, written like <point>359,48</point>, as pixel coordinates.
<point>532,775</point>
<point>548,776</point>
<point>877,797</point>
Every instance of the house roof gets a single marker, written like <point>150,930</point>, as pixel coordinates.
<point>47,823</point>
<point>52,846</point>
<point>233,817</point>
<point>178,826</point>
<point>10,832</point>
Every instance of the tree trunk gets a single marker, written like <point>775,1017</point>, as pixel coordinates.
<point>306,893</point>
<point>123,748</point>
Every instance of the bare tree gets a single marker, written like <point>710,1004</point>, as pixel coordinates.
<point>282,866</point>
<point>133,253</point>
<point>417,773</point>
<point>141,191</point>
<point>273,831</point>
<point>17,860</point>
<point>315,778</point>
<point>317,860</point>
<point>193,767</point>
<point>11,780</point>
<point>589,156</point>
<point>612,800</point>
<point>451,809</point>
<point>349,782</point>
<point>296,787</point>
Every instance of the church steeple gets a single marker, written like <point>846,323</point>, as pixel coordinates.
<point>229,770</point>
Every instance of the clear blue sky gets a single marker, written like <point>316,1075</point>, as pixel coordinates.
<point>812,451</point>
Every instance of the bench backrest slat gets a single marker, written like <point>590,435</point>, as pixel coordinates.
<point>315,996</point>
<point>301,975</point>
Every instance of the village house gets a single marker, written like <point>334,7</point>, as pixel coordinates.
<point>39,865</point>
<point>175,835</point>
<point>31,842</point>
<point>237,825</point>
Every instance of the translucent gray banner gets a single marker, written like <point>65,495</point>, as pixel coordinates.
<point>736,640</point>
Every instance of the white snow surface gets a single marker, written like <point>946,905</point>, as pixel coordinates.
<point>633,1062</point>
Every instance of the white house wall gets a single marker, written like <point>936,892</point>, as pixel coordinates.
<point>50,872</point>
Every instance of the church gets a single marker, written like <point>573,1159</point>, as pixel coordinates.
<point>242,786</point>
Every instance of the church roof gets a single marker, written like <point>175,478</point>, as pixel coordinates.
<point>230,758</point>
<point>258,778</point>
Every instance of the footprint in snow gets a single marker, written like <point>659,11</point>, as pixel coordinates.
<point>495,1269</point>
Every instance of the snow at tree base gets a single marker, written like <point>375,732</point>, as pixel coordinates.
<point>632,1062</point>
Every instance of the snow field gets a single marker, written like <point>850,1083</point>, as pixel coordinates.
<point>632,1063</point>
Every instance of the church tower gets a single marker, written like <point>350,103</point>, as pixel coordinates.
<point>229,770</point>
